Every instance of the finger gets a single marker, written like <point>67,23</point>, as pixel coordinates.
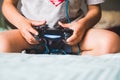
<point>29,37</point>
<point>64,24</point>
<point>74,39</point>
<point>36,23</point>
<point>33,31</point>
<point>74,42</point>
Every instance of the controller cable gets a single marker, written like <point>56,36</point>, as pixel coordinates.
<point>67,10</point>
<point>68,18</point>
<point>47,51</point>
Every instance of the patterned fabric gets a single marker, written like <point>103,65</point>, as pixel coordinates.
<point>56,2</point>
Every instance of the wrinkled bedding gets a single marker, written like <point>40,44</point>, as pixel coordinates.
<point>59,67</point>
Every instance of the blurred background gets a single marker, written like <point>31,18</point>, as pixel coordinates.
<point>3,25</point>
<point>110,15</point>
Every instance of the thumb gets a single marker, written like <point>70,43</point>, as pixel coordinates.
<point>65,25</point>
<point>37,23</point>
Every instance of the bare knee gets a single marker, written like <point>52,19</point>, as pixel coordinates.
<point>4,44</point>
<point>98,42</point>
<point>8,42</point>
<point>111,43</point>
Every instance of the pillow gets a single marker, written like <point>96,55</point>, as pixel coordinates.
<point>109,19</point>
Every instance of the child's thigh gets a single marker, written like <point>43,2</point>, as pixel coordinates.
<point>12,41</point>
<point>99,39</point>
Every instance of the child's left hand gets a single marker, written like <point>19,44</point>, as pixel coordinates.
<point>78,28</point>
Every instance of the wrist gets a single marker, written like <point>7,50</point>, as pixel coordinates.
<point>84,23</point>
<point>21,22</point>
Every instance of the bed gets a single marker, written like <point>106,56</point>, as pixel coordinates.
<point>21,66</point>
<point>59,67</point>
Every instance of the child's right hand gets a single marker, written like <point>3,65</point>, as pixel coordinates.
<point>26,29</point>
<point>24,25</point>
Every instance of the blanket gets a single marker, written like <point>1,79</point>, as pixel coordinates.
<point>59,67</point>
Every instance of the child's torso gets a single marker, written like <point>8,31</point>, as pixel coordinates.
<point>50,10</point>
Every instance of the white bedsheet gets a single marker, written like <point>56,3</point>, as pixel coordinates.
<point>59,67</point>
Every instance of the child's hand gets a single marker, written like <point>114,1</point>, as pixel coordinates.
<point>26,30</point>
<point>78,31</point>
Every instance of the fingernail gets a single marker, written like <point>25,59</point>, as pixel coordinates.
<point>59,22</point>
<point>67,40</point>
<point>36,33</point>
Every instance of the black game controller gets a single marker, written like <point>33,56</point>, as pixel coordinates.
<point>52,34</point>
<point>48,37</point>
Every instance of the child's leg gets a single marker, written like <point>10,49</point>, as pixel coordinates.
<point>99,41</point>
<point>12,41</point>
